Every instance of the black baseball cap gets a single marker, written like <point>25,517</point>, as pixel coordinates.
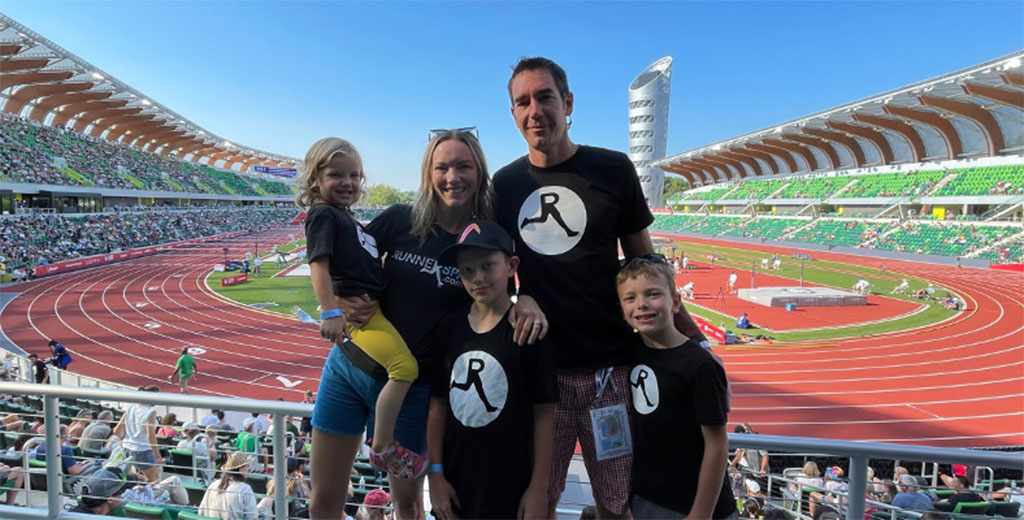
<point>481,234</point>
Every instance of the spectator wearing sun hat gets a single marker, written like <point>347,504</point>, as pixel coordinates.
<point>376,505</point>
<point>229,497</point>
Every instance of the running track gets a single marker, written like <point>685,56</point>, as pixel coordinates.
<point>957,383</point>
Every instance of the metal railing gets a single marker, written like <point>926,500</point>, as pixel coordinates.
<point>857,452</point>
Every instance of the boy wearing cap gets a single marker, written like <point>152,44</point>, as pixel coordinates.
<point>489,392</point>
<point>680,396</point>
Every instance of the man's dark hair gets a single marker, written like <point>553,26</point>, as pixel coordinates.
<point>966,482</point>
<point>541,63</point>
<point>30,356</point>
<point>219,414</point>
<point>53,342</point>
<point>739,429</point>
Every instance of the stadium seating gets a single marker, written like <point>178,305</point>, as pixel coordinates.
<point>813,188</point>
<point>37,154</point>
<point>848,233</point>
<point>941,239</point>
<point>988,180</point>
<point>1012,252</point>
<point>26,240</point>
<point>757,190</point>
<point>903,184</point>
<point>767,228</point>
<point>706,225</point>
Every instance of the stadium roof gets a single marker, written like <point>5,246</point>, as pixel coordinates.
<point>978,111</point>
<point>44,82</point>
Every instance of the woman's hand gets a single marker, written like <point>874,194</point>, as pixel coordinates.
<point>529,321</point>
<point>358,309</point>
<point>335,329</point>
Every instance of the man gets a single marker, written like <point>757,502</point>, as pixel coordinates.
<point>909,498</point>
<point>209,419</point>
<point>14,475</point>
<point>96,433</point>
<point>69,464</point>
<point>185,369</point>
<point>568,206</point>
<point>961,486</point>
<point>39,370</point>
<point>101,492</point>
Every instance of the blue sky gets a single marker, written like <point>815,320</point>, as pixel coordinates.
<point>279,75</point>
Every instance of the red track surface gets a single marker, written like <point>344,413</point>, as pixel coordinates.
<point>957,383</point>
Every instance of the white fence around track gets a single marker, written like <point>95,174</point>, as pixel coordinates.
<point>858,453</point>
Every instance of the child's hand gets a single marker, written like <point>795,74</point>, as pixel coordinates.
<point>442,497</point>
<point>534,504</point>
<point>335,329</point>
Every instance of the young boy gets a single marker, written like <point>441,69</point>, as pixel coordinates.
<point>681,403</point>
<point>493,401</point>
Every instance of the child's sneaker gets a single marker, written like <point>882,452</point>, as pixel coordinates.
<point>400,462</point>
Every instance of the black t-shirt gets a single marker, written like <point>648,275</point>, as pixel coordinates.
<point>354,265</point>
<point>419,290</point>
<point>491,385</point>
<point>566,221</point>
<point>40,369</point>
<point>675,391</point>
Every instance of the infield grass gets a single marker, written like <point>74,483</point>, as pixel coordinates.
<point>280,294</point>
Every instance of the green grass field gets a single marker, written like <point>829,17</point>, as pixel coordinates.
<point>283,292</point>
<point>280,294</point>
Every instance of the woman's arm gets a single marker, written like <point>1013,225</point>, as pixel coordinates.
<point>151,436</point>
<point>528,319</point>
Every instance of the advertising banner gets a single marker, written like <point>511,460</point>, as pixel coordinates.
<point>78,263</point>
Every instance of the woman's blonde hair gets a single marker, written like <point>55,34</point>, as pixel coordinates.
<point>424,208</point>
<point>321,153</point>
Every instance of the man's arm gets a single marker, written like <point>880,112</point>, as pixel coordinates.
<point>712,471</point>
<point>764,463</point>
<point>636,244</point>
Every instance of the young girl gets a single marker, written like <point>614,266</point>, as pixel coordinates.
<point>343,262</point>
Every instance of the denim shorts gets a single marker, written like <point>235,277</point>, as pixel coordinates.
<point>347,397</point>
<point>143,459</point>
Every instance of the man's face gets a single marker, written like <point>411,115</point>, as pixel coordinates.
<point>539,109</point>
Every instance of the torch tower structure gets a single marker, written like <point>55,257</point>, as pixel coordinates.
<point>648,126</point>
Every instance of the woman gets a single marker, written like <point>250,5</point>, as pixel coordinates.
<point>137,429</point>
<point>454,189</point>
<point>166,428</point>
<point>229,497</point>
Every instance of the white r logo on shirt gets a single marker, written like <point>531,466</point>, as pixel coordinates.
<point>644,385</point>
<point>552,220</point>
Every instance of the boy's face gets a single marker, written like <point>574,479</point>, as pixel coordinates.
<point>647,304</point>
<point>485,273</point>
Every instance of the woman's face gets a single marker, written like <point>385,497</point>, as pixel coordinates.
<point>454,176</point>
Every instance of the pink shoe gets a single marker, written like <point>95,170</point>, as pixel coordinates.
<point>400,462</point>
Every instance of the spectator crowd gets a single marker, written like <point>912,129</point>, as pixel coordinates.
<point>29,240</point>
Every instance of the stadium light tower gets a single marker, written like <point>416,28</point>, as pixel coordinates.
<point>648,126</point>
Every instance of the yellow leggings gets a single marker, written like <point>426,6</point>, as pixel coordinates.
<point>379,339</point>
